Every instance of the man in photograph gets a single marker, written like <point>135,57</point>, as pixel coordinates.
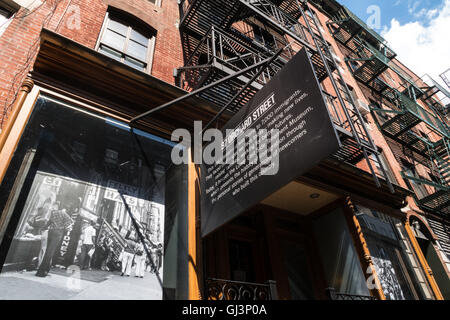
<point>87,244</point>
<point>139,259</point>
<point>127,257</point>
<point>57,223</point>
<point>158,258</point>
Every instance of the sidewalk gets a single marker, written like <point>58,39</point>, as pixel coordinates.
<point>25,285</point>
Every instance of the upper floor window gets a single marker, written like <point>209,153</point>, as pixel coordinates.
<point>264,37</point>
<point>5,17</point>
<point>156,2</point>
<point>127,41</point>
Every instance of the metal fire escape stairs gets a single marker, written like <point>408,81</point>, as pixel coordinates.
<point>354,118</point>
<point>397,112</point>
<point>445,77</point>
<point>438,200</point>
<point>214,49</point>
<point>436,97</point>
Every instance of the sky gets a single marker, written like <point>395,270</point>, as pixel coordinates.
<point>417,30</point>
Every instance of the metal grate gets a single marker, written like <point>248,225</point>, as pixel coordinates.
<point>219,289</point>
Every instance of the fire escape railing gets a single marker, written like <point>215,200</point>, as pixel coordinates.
<point>398,113</point>
<point>434,195</point>
<point>213,50</point>
<point>221,50</point>
<point>436,97</point>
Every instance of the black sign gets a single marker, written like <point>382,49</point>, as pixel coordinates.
<point>291,102</point>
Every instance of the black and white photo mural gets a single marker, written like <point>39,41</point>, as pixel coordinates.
<point>392,266</point>
<point>87,218</point>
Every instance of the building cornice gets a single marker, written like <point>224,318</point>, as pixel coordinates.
<point>68,66</point>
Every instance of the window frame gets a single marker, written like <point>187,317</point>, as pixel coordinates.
<point>157,3</point>
<point>130,26</point>
<point>9,15</point>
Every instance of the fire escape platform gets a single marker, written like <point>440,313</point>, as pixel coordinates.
<point>219,54</point>
<point>351,27</point>
<point>409,113</point>
<point>438,201</point>
<point>213,50</point>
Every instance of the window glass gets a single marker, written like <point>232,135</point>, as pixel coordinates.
<point>87,214</point>
<point>137,50</point>
<point>338,254</point>
<point>114,40</point>
<point>296,265</point>
<point>134,63</point>
<point>122,41</point>
<point>388,255</point>
<point>139,38</point>
<point>110,52</point>
<point>118,27</point>
<point>5,16</point>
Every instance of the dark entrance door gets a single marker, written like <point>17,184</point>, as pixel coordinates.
<point>237,251</point>
<point>262,245</point>
<point>435,263</point>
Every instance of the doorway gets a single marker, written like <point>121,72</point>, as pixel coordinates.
<point>426,244</point>
<point>262,245</point>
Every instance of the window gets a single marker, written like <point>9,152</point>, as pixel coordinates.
<point>120,176</point>
<point>389,77</point>
<point>388,253</point>
<point>5,18</point>
<point>126,42</point>
<point>353,65</point>
<point>410,171</point>
<point>384,164</point>
<point>353,93</point>
<point>263,36</point>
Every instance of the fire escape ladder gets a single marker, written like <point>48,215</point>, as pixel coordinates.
<point>445,77</point>
<point>354,120</point>
<point>439,199</point>
<point>441,157</point>
<point>437,98</point>
<point>214,52</point>
<point>279,19</point>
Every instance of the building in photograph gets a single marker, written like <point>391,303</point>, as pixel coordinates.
<point>93,206</point>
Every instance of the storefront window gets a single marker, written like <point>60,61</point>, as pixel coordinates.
<point>84,203</point>
<point>338,254</point>
<point>387,253</point>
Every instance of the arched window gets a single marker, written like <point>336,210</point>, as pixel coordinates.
<point>127,40</point>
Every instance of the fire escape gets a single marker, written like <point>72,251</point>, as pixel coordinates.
<point>222,38</point>
<point>445,77</point>
<point>397,110</point>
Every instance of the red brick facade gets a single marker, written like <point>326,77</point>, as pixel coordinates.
<point>19,43</point>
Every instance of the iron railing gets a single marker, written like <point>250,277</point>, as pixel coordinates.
<point>332,294</point>
<point>210,57</point>
<point>219,49</point>
<point>219,289</point>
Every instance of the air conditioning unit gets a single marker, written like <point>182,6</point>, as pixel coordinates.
<point>363,107</point>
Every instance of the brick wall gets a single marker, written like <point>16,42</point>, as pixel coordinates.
<point>19,43</point>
